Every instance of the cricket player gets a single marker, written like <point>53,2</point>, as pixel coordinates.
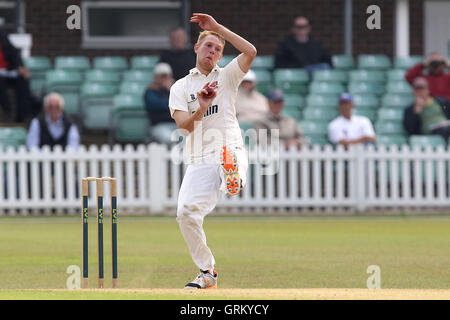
<point>203,107</point>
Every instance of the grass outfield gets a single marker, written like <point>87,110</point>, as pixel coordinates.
<point>251,253</point>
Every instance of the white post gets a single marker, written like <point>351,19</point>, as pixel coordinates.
<point>401,28</point>
<point>157,176</point>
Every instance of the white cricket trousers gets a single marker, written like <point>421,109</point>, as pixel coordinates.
<point>199,193</point>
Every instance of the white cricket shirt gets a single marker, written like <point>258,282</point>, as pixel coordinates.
<point>219,125</point>
<point>355,128</point>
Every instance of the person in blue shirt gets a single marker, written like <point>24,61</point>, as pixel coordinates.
<point>156,99</point>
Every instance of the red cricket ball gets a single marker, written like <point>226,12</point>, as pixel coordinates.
<point>210,92</point>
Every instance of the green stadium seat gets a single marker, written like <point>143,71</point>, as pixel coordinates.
<point>330,76</point>
<point>396,75</point>
<point>37,85</point>
<point>365,88</point>
<point>110,63</point>
<point>129,121</point>
<point>321,140</point>
<point>373,62</point>
<point>400,87</point>
<point>137,76</point>
<point>343,62</point>
<point>291,80</point>
<point>389,128</point>
<point>326,88</point>
<point>389,140</point>
<point>135,88</point>
<point>13,136</point>
<point>294,100</point>
<point>38,66</point>
<point>263,62</point>
<point>72,63</point>
<point>293,113</point>
<point>426,140</point>
<point>263,80</point>
<point>366,101</point>
<point>314,128</point>
<point>144,62</point>
<point>367,76</point>
<point>63,81</point>
<point>318,100</point>
<point>96,104</point>
<point>225,60</point>
<point>71,102</point>
<point>390,114</point>
<point>392,100</point>
<point>319,114</point>
<point>407,62</point>
<point>368,113</point>
<point>98,75</point>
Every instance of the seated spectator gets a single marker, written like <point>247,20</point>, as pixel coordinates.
<point>349,129</point>
<point>428,115</point>
<point>290,132</point>
<point>53,127</point>
<point>250,104</point>
<point>14,74</point>
<point>180,58</point>
<point>157,103</point>
<point>438,79</point>
<point>300,51</point>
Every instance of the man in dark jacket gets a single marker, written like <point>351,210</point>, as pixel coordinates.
<point>156,100</point>
<point>53,127</point>
<point>428,115</point>
<point>14,74</point>
<point>300,51</point>
<point>180,58</point>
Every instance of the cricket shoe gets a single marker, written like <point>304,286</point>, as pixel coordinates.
<point>228,161</point>
<point>204,280</point>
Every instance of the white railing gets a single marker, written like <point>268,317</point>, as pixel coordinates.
<point>320,179</point>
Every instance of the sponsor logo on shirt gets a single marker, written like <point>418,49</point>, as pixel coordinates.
<point>211,110</point>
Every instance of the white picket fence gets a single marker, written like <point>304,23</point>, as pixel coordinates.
<point>319,179</point>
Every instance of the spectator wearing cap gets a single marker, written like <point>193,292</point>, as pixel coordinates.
<point>53,127</point>
<point>250,104</point>
<point>156,99</point>
<point>438,79</point>
<point>349,129</point>
<point>180,58</point>
<point>428,114</point>
<point>290,132</point>
<point>298,50</point>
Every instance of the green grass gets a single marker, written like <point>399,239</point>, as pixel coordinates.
<point>284,252</point>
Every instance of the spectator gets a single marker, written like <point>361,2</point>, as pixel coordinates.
<point>180,58</point>
<point>427,115</point>
<point>157,103</point>
<point>14,74</point>
<point>53,127</point>
<point>290,132</point>
<point>250,104</point>
<point>349,129</point>
<point>438,79</point>
<point>300,51</point>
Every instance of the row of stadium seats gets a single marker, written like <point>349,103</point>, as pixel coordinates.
<point>16,136</point>
<point>90,93</point>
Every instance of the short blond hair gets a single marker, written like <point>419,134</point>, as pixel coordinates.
<point>205,33</point>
